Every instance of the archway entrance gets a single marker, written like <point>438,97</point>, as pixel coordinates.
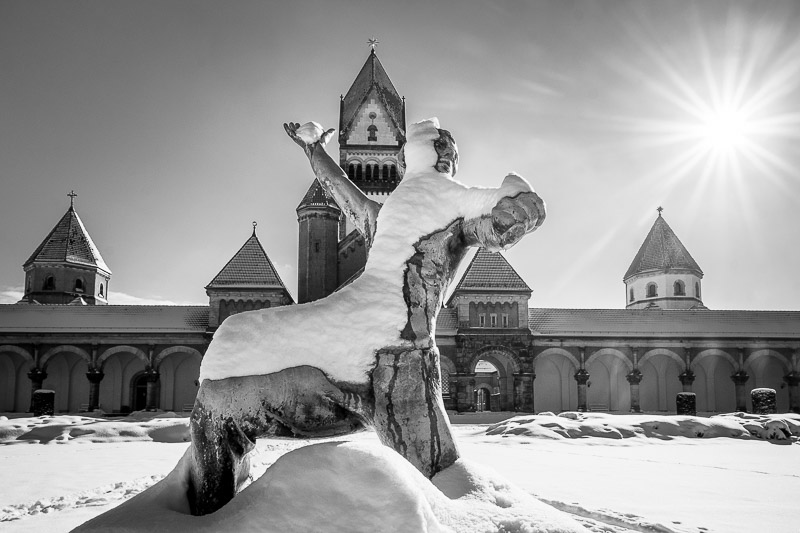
<point>483,400</point>
<point>139,392</point>
<point>492,369</point>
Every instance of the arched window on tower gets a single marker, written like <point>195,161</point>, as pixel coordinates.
<point>359,172</point>
<point>385,173</point>
<point>631,296</point>
<point>652,290</point>
<point>697,289</point>
<point>49,283</point>
<point>393,173</point>
<point>679,288</point>
<point>351,171</point>
<point>370,170</point>
<point>100,292</point>
<point>79,285</point>
<point>372,132</point>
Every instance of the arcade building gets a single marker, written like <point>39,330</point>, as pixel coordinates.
<point>496,351</point>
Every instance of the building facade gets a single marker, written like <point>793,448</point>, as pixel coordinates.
<point>496,351</point>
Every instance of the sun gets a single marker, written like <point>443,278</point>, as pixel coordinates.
<point>724,129</point>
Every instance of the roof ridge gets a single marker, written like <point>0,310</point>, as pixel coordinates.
<point>68,242</point>
<point>490,271</point>
<point>250,266</point>
<point>661,250</point>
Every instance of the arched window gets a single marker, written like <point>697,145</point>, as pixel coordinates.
<point>351,171</point>
<point>680,288</point>
<point>652,290</point>
<point>393,173</point>
<point>631,297</point>
<point>697,289</point>
<point>385,172</point>
<point>372,133</point>
<point>49,283</point>
<point>369,172</point>
<point>359,172</point>
<point>100,292</point>
<point>79,285</point>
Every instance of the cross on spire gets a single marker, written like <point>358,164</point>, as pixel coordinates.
<point>373,42</point>
<point>659,209</point>
<point>254,227</point>
<point>72,196</point>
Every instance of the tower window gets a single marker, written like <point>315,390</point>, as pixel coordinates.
<point>359,172</point>
<point>393,173</point>
<point>316,246</point>
<point>493,320</point>
<point>631,296</point>
<point>370,170</point>
<point>680,288</point>
<point>100,292</point>
<point>79,285</point>
<point>351,171</point>
<point>482,320</point>
<point>652,290</point>
<point>385,172</point>
<point>504,320</point>
<point>697,289</point>
<point>372,132</point>
<point>49,283</point>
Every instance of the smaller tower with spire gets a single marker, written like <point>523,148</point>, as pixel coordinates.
<point>663,275</point>
<point>67,268</point>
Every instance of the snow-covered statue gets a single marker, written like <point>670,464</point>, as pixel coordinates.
<point>365,355</point>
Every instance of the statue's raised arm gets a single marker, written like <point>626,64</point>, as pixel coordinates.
<point>362,211</point>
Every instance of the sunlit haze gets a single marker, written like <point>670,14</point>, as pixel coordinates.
<point>166,119</point>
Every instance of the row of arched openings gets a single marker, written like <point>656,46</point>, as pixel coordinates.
<point>78,286</point>
<point>678,289</point>
<point>372,172</point>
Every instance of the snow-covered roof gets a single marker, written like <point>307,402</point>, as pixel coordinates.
<point>676,323</point>
<point>68,242</point>
<point>661,251</point>
<point>102,319</point>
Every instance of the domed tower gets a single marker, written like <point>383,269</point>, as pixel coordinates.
<point>663,274</point>
<point>67,268</point>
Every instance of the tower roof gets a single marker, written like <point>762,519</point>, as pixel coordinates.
<point>661,251</point>
<point>317,196</point>
<point>490,272</point>
<point>372,76</point>
<point>248,268</point>
<point>68,242</point>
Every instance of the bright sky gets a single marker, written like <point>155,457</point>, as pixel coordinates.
<point>165,118</point>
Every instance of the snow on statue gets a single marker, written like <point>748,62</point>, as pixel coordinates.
<point>365,355</point>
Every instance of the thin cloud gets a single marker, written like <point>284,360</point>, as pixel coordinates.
<point>120,298</point>
<point>11,295</point>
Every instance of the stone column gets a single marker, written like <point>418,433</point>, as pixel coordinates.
<point>792,380</point>
<point>37,377</point>
<point>582,376</point>
<point>740,380</point>
<point>687,377</point>
<point>634,377</point>
<point>95,376</point>
<point>152,380</point>
<point>523,391</point>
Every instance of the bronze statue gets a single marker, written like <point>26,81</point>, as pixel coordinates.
<point>262,376</point>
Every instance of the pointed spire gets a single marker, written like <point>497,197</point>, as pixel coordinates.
<point>661,251</point>
<point>68,242</point>
<point>372,77</point>
<point>248,268</point>
<point>317,196</point>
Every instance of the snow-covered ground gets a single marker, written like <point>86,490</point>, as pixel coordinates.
<point>612,473</point>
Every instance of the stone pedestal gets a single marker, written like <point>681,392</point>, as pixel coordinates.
<point>765,401</point>
<point>95,376</point>
<point>523,392</point>
<point>740,381</point>
<point>151,375</point>
<point>686,403</point>
<point>37,377</point>
<point>792,380</point>
<point>687,377</point>
<point>582,376</point>
<point>634,377</point>
<point>43,402</point>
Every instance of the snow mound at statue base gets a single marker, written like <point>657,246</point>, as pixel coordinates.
<point>345,486</point>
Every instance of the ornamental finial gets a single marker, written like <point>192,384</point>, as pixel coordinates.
<point>373,42</point>
<point>659,209</point>
<point>254,227</point>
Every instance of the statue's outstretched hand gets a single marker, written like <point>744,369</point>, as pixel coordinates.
<point>308,135</point>
<point>516,215</point>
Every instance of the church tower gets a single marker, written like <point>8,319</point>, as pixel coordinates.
<point>663,275</point>
<point>372,129</point>
<point>66,268</point>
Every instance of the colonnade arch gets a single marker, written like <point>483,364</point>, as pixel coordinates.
<point>15,387</point>
<point>713,388</point>
<point>607,388</point>
<point>660,368</point>
<point>507,364</point>
<point>555,388</point>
